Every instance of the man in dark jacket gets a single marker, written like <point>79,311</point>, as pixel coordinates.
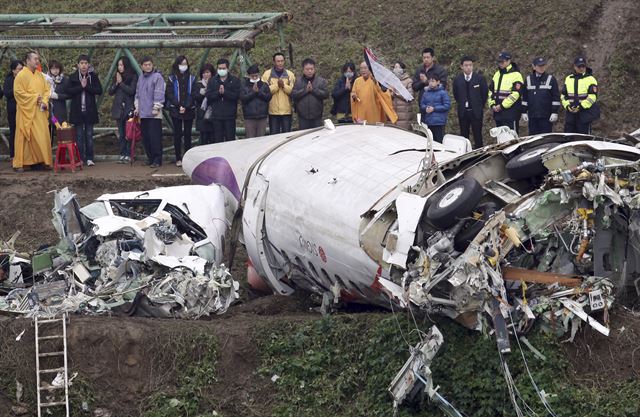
<point>540,99</point>
<point>84,86</point>
<point>428,68</point>
<point>255,96</point>
<point>223,92</point>
<point>309,93</point>
<point>470,92</point>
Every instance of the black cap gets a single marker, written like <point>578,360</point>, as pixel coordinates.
<point>504,56</point>
<point>539,61</point>
<point>579,61</point>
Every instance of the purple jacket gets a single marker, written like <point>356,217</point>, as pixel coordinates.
<point>150,94</point>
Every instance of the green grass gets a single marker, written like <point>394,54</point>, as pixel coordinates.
<point>196,362</point>
<point>342,365</point>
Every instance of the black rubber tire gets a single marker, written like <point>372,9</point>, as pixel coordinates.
<point>473,227</point>
<point>454,202</point>
<point>529,163</point>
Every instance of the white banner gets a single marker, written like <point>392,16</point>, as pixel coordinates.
<point>385,76</point>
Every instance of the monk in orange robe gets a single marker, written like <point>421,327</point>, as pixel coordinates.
<point>33,141</point>
<point>368,102</point>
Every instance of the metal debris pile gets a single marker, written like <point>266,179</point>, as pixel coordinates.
<point>558,255</point>
<point>142,256</point>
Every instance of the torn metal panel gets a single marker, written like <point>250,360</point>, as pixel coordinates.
<point>138,250</point>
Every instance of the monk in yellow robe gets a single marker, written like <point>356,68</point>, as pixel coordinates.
<point>368,102</point>
<point>33,141</point>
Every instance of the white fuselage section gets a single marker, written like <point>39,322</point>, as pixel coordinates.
<point>304,197</point>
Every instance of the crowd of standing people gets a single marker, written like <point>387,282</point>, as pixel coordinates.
<point>37,102</point>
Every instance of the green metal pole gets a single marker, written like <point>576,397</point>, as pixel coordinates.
<point>109,80</point>
<point>283,44</point>
<point>90,53</point>
<point>203,59</point>
<point>133,60</point>
<point>234,58</point>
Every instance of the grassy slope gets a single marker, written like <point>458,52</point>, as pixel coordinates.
<point>334,31</point>
<point>353,382</point>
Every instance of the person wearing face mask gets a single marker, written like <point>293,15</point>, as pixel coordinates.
<point>204,126</point>
<point>255,96</point>
<point>84,86</point>
<point>179,100</point>
<point>148,104</point>
<point>14,68</point>
<point>223,91</point>
<point>403,108</point>
<point>341,94</point>
<point>309,93</point>
<point>123,91</point>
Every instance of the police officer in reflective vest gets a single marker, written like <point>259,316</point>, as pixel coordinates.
<point>579,96</point>
<point>540,99</point>
<point>504,92</point>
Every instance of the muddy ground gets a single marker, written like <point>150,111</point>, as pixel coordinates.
<point>125,360</point>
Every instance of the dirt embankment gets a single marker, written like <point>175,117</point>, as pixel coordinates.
<point>121,361</point>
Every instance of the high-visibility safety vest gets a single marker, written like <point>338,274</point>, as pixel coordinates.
<point>505,87</point>
<point>580,90</point>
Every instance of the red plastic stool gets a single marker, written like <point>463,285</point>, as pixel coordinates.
<point>67,156</point>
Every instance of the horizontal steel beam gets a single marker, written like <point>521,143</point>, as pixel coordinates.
<point>171,17</point>
<point>158,41</point>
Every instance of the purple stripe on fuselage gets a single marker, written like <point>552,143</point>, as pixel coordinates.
<point>216,171</point>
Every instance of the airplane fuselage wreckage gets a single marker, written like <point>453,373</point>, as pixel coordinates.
<point>539,229</point>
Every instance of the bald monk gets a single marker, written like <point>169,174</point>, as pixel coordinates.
<point>368,102</point>
<point>33,142</point>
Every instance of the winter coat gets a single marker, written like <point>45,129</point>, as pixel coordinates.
<point>7,89</point>
<point>123,97</point>
<point>342,97</point>
<point>309,105</point>
<point>75,91</point>
<point>437,70</point>
<point>280,104</point>
<point>540,96</point>
<point>225,106</point>
<point>255,105</point>
<point>59,105</point>
<point>150,95</point>
<point>439,100</point>
<point>180,94</point>
<point>403,108</point>
<point>199,91</point>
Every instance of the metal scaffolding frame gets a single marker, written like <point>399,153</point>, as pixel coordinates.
<point>123,32</point>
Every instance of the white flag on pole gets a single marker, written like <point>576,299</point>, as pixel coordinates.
<point>384,76</point>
